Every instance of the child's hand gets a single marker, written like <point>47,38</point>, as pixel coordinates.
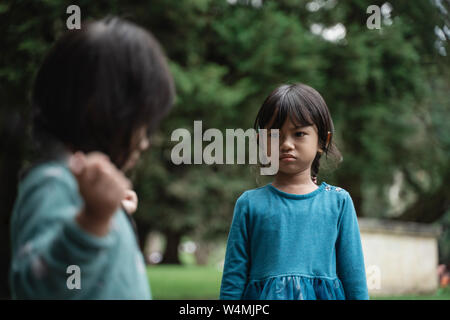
<point>130,202</point>
<point>102,187</point>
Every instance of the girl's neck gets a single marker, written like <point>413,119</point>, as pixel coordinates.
<point>298,183</point>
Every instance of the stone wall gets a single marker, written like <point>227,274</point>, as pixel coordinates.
<point>400,257</point>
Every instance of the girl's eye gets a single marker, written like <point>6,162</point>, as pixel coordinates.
<point>299,134</point>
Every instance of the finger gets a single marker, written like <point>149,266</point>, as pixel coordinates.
<point>124,183</point>
<point>90,176</point>
<point>131,195</point>
<point>107,167</point>
<point>98,166</point>
<point>98,158</point>
<point>129,206</point>
<point>133,199</point>
<point>77,163</point>
<point>123,180</point>
<point>97,155</point>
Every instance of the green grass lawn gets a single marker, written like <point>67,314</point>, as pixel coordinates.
<point>172,282</point>
<point>440,294</point>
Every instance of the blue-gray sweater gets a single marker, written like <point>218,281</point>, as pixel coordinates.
<point>46,240</point>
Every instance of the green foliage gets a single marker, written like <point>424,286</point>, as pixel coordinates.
<point>444,240</point>
<point>387,91</point>
<point>374,82</point>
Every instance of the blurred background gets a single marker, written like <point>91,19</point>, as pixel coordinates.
<point>387,90</point>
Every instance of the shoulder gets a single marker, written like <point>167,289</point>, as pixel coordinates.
<point>48,175</point>
<point>335,190</point>
<point>339,196</point>
<point>254,195</point>
<point>344,204</point>
<point>251,199</point>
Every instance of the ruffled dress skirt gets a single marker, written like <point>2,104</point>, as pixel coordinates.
<point>294,287</point>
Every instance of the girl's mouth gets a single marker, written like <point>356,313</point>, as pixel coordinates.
<point>287,157</point>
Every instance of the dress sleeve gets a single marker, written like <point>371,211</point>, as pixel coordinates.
<point>237,258</point>
<point>349,255</point>
<point>46,240</point>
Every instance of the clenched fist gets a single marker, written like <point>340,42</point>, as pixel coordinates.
<point>102,186</point>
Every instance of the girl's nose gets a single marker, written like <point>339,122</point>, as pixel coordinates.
<point>286,144</point>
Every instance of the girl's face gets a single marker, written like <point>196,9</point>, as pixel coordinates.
<point>141,143</point>
<point>298,146</point>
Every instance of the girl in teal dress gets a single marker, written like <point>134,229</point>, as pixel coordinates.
<point>293,239</point>
<point>98,94</point>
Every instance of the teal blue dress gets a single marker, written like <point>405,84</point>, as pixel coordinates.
<point>47,241</point>
<point>284,246</point>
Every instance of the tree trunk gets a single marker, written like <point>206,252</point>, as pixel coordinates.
<point>173,240</point>
<point>5,262</point>
<point>202,252</point>
<point>143,230</point>
<point>142,235</point>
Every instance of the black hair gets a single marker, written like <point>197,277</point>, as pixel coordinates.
<point>304,106</point>
<point>98,85</point>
